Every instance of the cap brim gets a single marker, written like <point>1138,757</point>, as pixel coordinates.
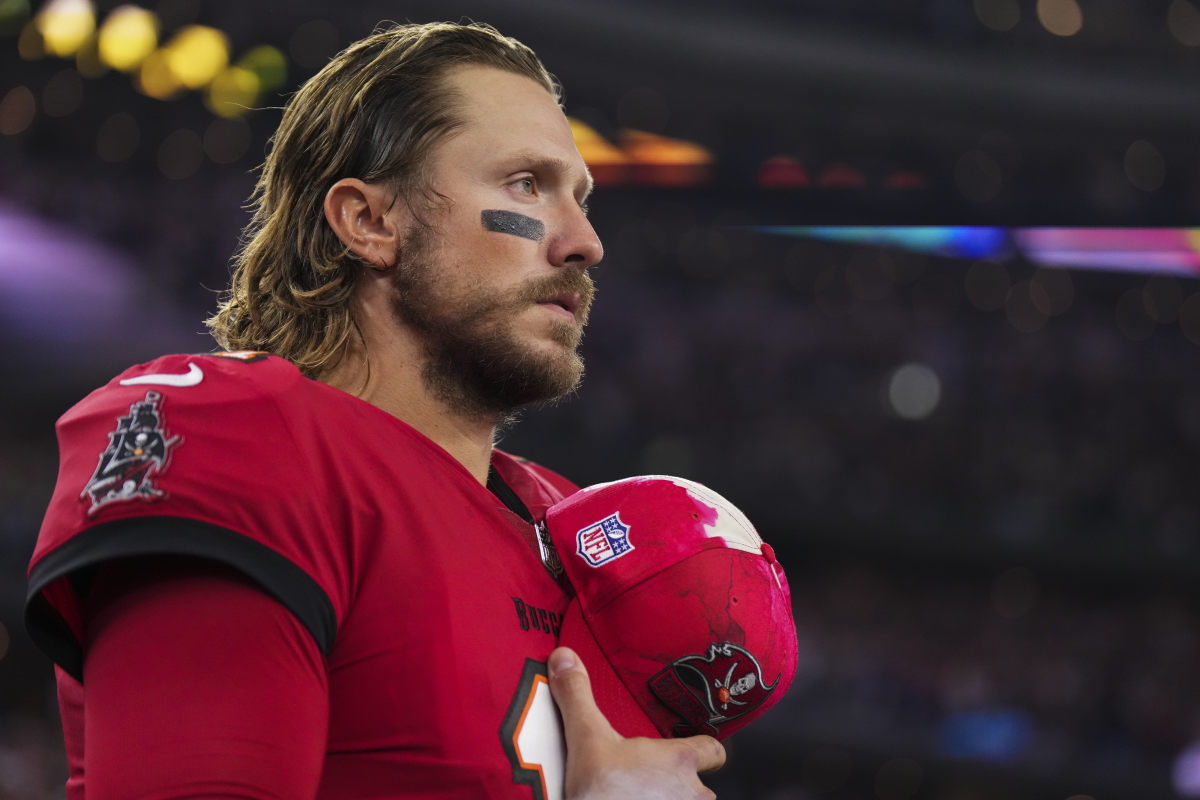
<point>624,712</point>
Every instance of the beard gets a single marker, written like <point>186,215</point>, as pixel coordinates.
<point>474,361</point>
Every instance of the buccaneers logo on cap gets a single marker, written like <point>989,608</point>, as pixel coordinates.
<point>138,447</point>
<point>706,691</point>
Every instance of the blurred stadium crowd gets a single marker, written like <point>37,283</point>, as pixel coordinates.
<point>994,597</point>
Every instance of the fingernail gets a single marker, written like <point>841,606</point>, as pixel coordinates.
<point>561,660</point>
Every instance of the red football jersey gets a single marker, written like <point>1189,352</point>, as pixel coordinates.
<point>405,570</point>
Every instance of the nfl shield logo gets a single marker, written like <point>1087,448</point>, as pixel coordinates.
<point>601,542</point>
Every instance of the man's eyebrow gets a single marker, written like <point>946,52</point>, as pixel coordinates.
<point>541,163</point>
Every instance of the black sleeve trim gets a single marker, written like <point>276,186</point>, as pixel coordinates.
<point>179,536</point>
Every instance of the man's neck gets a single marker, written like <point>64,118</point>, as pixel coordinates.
<point>398,388</point>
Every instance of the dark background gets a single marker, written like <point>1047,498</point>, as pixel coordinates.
<point>996,599</point>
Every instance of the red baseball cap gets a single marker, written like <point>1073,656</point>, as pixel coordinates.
<point>681,614</point>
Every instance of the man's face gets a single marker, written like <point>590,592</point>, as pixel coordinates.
<point>496,286</point>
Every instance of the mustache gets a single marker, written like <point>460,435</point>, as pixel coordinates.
<point>569,281</point>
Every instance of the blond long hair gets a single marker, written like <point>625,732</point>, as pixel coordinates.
<point>372,113</point>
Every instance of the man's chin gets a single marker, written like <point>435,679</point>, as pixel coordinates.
<point>539,373</point>
<point>552,374</point>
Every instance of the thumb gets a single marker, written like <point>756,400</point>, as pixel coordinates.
<point>572,691</point>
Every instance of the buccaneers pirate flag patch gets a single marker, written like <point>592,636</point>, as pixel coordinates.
<point>138,448</point>
<point>711,689</point>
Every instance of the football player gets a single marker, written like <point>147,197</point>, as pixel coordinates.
<point>298,567</point>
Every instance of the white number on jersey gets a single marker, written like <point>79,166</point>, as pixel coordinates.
<point>532,735</point>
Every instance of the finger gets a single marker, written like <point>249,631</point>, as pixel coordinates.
<point>709,754</point>
<point>572,691</point>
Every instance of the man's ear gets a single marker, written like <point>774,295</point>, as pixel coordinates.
<point>359,214</point>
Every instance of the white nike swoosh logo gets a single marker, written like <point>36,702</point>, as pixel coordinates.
<point>190,378</point>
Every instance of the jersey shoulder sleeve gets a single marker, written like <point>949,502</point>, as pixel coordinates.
<point>186,455</point>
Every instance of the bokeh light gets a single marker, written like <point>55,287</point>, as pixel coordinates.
<point>13,15</point>
<point>1060,17</point>
<point>608,163</point>
<point>192,59</point>
<point>1185,772</point>
<point>913,391</point>
<point>268,64</point>
<point>240,87</point>
<point>1183,21</point>
<point>783,172</point>
<point>17,110</point>
<point>999,15</point>
<point>64,25</point>
<point>88,61</point>
<point>156,79</point>
<point>233,92</point>
<point>197,54</point>
<point>127,36</point>
<point>30,45</point>
<point>662,161</point>
<point>841,176</point>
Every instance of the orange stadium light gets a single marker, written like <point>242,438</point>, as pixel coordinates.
<point>609,166</point>
<point>64,26</point>
<point>660,161</point>
<point>129,34</point>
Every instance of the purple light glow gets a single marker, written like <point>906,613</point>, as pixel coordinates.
<point>58,285</point>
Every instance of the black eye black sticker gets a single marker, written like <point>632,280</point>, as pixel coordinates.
<point>513,223</point>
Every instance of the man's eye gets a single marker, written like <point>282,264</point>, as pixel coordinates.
<point>526,185</point>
